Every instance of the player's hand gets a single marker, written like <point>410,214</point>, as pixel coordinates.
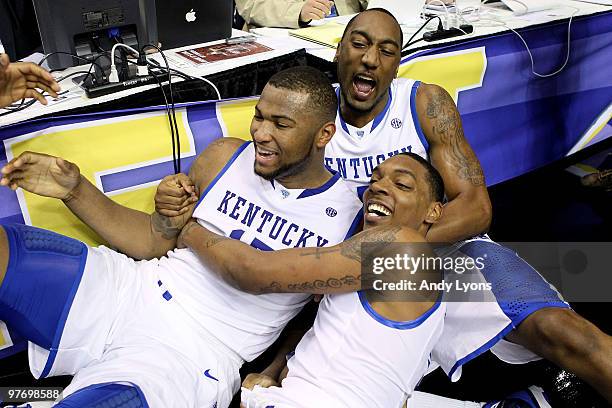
<point>315,10</point>
<point>176,195</point>
<point>20,80</point>
<point>41,174</point>
<point>262,380</point>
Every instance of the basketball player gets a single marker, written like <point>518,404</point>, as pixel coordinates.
<point>168,332</point>
<point>380,116</point>
<point>359,353</point>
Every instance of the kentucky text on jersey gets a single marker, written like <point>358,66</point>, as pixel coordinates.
<point>360,168</point>
<point>266,222</point>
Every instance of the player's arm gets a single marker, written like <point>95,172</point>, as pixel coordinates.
<point>276,371</point>
<point>333,269</point>
<point>468,211</point>
<point>132,232</point>
<point>282,13</point>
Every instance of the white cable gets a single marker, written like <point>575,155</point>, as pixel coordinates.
<point>469,10</point>
<point>446,23</point>
<point>114,76</point>
<point>213,85</point>
<point>567,56</point>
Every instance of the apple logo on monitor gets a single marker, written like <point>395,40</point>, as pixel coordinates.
<point>190,16</point>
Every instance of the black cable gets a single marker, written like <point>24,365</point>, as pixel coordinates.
<point>414,42</point>
<point>157,65</point>
<point>184,75</point>
<point>167,108</point>
<point>92,65</point>
<point>168,111</point>
<point>176,156</point>
<point>15,105</point>
<point>73,55</point>
<point>175,72</point>
<point>60,79</point>
<point>408,43</point>
<point>23,105</point>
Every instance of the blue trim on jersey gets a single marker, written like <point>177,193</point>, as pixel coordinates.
<point>377,119</point>
<point>326,186</point>
<point>393,323</point>
<point>62,322</point>
<point>355,224</point>
<point>481,349</point>
<point>361,191</point>
<point>382,114</point>
<point>342,122</point>
<point>415,116</point>
<point>223,170</point>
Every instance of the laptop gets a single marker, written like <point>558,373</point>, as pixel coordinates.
<point>187,22</point>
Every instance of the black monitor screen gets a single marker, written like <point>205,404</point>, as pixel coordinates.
<point>88,28</point>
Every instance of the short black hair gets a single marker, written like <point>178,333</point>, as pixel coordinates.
<point>434,179</point>
<point>322,98</point>
<point>380,10</point>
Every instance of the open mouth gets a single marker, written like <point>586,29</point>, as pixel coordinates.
<point>265,155</point>
<point>364,86</point>
<point>378,210</point>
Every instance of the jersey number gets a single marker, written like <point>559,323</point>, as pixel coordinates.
<point>237,234</point>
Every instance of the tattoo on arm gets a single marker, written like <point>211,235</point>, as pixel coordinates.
<point>317,252</point>
<point>210,238</point>
<point>316,285</point>
<point>212,241</point>
<point>164,225</point>
<point>446,125</point>
<point>273,287</point>
<point>351,248</point>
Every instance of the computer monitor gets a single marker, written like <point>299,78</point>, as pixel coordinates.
<point>89,28</point>
<point>188,22</point>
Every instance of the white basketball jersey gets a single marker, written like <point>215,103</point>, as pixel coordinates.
<point>241,205</point>
<point>354,357</point>
<point>355,152</point>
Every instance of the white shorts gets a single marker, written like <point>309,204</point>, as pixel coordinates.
<point>123,326</point>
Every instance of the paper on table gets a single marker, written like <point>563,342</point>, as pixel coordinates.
<point>222,52</point>
<point>328,34</point>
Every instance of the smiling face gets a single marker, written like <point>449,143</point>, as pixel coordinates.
<point>283,133</point>
<point>401,193</point>
<point>368,59</point>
